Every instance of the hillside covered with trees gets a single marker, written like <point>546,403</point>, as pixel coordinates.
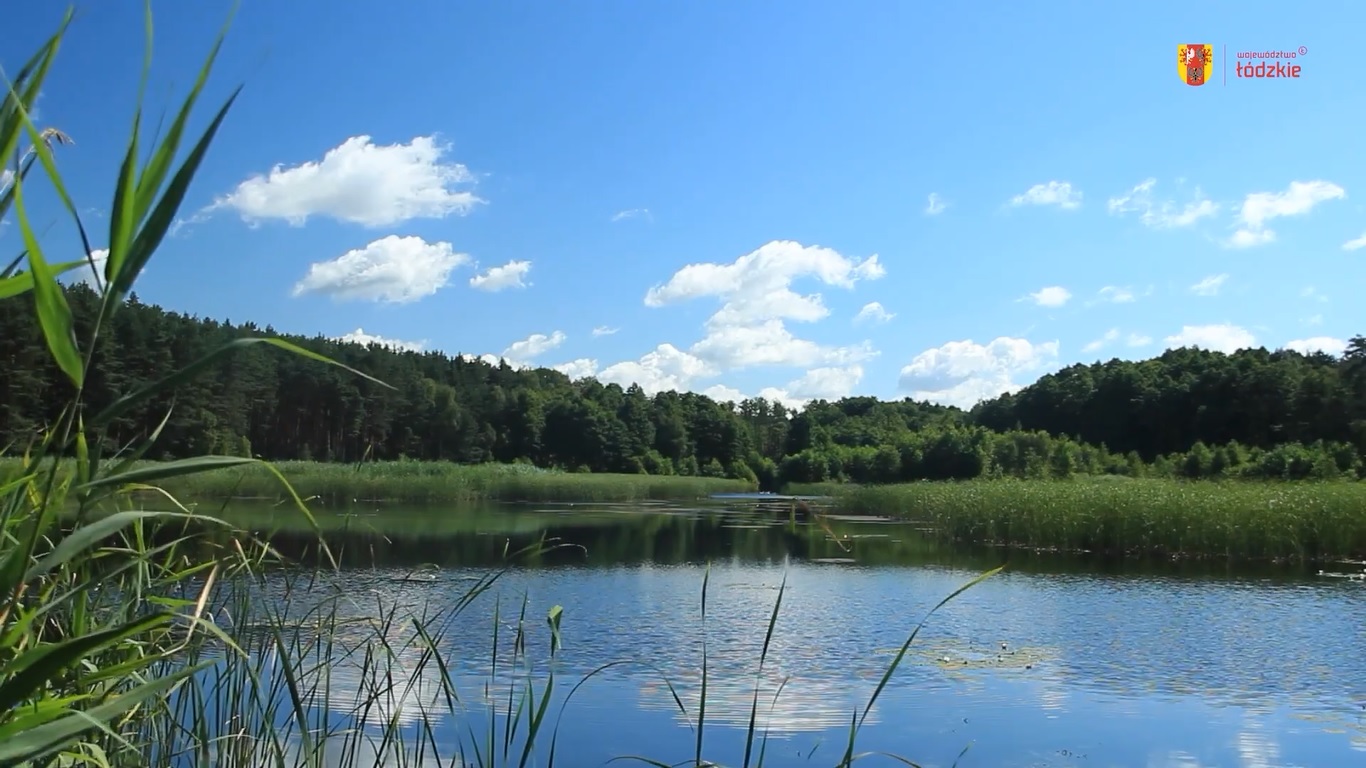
<point>1189,412</point>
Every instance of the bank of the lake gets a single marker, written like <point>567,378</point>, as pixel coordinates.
<point>1240,520</point>
<point>428,482</point>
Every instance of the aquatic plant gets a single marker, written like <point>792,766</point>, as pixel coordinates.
<point>434,481</point>
<point>1238,520</point>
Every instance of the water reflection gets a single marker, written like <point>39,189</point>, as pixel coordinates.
<point>1187,665</point>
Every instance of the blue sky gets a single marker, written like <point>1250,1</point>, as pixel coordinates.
<point>794,199</point>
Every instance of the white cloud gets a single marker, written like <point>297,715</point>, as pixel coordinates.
<point>1138,340</point>
<point>1249,238</point>
<point>936,205</point>
<point>873,312</point>
<point>1327,344</point>
<point>361,183</point>
<point>1166,214</point>
<point>578,369</point>
<point>1110,337</point>
<point>359,336</point>
<point>83,274</point>
<point>1313,320</point>
<point>633,213</point>
<point>534,346</point>
<point>1116,294</point>
<point>730,347</point>
<point>509,275</point>
<point>603,330</point>
<point>756,298</point>
<point>1059,193</point>
<point>1052,296</point>
<point>520,354</point>
<point>722,393</point>
<point>1350,245</point>
<point>666,368</point>
<point>963,372</point>
<point>1259,208</point>
<point>1221,337</point>
<point>1210,286</point>
<point>831,383</point>
<point>391,269</point>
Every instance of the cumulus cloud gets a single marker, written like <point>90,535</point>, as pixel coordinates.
<point>361,183</point>
<point>936,205</point>
<point>724,394</point>
<point>534,346</point>
<point>1351,245</point>
<point>664,369</point>
<point>579,368</point>
<point>873,312</point>
<point>730,347</point>
<point>756,298</point>
<point>393,269</point>
<point>359,336</point>
<point>1218,337</point>
<point>633,213</point>
<point>1210,286</point>
<point>510,275</point>
<point>603,330</point>
<point>521,354</point>
<point>1260,208</point>
<point>828,383</point>
<point>964,372</point>
<point>1052,296</point>
<point>1138,340</point>
<point>1161,214</point>
<point>1325,344</point>
<point>1059,193</point>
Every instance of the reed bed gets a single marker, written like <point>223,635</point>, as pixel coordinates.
<point>1237,520</point>
<point>434,481</point>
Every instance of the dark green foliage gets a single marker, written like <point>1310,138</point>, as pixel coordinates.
<point>1186,414</point>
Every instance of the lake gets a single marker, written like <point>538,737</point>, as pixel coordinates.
<point>1057,661</point>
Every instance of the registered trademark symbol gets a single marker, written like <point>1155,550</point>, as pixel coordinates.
<point>1303,50</point>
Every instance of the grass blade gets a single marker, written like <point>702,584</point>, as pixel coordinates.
<point>54,315</point>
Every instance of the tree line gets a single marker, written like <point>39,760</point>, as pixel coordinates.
<point>1188,412</point>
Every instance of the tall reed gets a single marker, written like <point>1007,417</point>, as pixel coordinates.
<point>432,481</point>
<point>1238,520</point>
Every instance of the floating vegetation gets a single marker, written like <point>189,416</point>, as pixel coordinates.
<point>958,656</point>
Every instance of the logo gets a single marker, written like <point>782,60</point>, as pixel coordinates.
<point>1194,62</point>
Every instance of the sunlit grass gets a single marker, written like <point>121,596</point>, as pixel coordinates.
<point>1239,520</point>
<point>432,481</point>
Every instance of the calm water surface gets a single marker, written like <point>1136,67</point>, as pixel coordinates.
<point>1054,662</point>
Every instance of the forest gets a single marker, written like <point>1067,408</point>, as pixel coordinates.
<point>1188,413</point>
